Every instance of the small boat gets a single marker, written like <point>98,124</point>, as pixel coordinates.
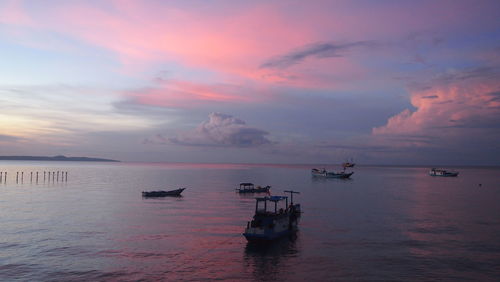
<point>268,225</point>
<point>176,192</point>
<point>442,172</point>
<point>330,174</point>
<point>250,188</point>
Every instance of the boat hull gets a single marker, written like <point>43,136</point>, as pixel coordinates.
<point>442,173</point>
<point>448,174</point>
<point>326,174</point>
<point>158,194</point>
<point>254,191</point>
<point>252,237</point>
<point>339,175</point>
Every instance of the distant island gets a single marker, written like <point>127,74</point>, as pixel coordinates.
<point>55,158</point>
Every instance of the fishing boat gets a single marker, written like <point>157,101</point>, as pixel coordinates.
<point>330,174</point>
<point>250,188</point>
<point>270,224</point>
<point>151,194</point>
<point>442,172</point>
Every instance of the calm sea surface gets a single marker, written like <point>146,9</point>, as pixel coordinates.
<point>386,223</point>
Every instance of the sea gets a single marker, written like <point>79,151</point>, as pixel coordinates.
<point>386,223</point>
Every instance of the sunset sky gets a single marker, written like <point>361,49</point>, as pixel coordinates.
<point>383,82</point>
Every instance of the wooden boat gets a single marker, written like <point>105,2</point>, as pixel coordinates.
<point>442,172</point>
<point>151,194</point>
<point>268,225</point>
<point>330,174</point>
<point>250,188</point>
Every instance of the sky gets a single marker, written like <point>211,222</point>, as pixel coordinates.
<point>381,82</point>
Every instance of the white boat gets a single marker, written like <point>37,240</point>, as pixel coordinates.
<point>250,188</point>
<point>442,172</point>
<point>330,174</point>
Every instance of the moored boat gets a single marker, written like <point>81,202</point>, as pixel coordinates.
<point>250,188</point>
<point>330,174</point>
<point>151,194</point>
<point>268,225</point>
<point>442,172</point>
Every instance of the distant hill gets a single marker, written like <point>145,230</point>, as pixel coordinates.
<point>55,158</point>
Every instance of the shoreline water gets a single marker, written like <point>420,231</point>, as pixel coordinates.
<point>385,223</point>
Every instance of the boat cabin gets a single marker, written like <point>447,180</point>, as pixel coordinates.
<point>247,186</point>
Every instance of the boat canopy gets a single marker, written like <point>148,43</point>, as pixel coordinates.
<point>273,199</point>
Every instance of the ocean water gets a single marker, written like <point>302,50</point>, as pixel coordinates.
<point>386,224</point>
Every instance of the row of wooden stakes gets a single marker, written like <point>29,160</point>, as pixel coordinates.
<point>55,176</point>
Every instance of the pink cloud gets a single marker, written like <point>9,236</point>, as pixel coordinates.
<point>232,41</point>
<point>185,94</point>
<point>233,44</point>
<point>459,105</point>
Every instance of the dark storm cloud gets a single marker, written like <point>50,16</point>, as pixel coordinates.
<point>316,50</point>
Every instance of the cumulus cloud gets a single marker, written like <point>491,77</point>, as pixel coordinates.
<point>220,130</point>
<point>458,110</point>
<point>316,50</point>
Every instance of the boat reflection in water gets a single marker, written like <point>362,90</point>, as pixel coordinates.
<point>271,261</point>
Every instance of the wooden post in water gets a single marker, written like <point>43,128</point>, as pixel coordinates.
<point>17,177</point>
<point>22,176</point>
<point>66,176</point>
<point>44,176</point>
<point>1,176</point>
<point>5,178</point>
<point>53,176</point>
<point>31,177</point>
<point>37,177</point>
